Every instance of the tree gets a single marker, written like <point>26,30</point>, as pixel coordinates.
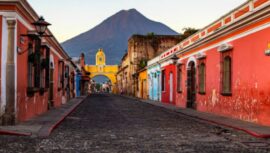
<point>150,34</point>
<point>188,31</point>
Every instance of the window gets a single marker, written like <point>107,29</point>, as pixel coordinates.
<point>202,78</point>
<point>37,63</point>
<point>42,71</point>
<point>30,63</point>
<point>47,75</point>
<point>44,68</point>
<point>33,65</point>
<point>60,75</point>
<point>67,77</point>
<point>163,80</point>
<point>179,78</point>
<point>226,75</point>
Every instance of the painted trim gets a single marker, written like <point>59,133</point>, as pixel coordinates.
<point>15,66</point>
<point>56,53</point>
<point>3,65</point>
<point>234,21</point>
<point>18,17</point>
<point>191,59</point>
<point>52,61</point>
<point>244,34</point>
<point>168,62</point>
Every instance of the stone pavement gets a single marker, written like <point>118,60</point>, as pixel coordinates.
<point>43,125</point>
<point>112,124</point>
<point>250,128</point>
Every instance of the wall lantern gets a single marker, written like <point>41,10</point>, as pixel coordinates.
<point>174,59</point>
<point>41,25</point>
<point>267,51</point>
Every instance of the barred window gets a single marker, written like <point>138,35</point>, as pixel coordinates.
<point>179,78</point>
<point>37,63</point>
<point>30,64</point>
<point>60,75</point>
<point>226,75</point>
<point>47,69</point>
<point>202,78</point>
<point>163,80</point>
<point>42,70</point>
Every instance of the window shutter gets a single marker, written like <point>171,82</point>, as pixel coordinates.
<point>37,62</point>
<point>47,68</point>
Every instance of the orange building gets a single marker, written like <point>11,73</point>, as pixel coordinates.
<point>142,86</point>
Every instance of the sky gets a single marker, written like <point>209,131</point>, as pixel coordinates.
<point>72,17</point>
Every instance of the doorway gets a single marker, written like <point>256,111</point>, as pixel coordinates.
<point>171,87</point>
<point>191,85</point>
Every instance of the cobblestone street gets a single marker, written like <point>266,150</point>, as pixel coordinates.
<point>107,123</point>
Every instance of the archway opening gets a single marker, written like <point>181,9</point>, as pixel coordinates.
<point>101,84</point>
<point>191,85</point>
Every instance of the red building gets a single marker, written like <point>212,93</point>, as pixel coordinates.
<point>34,70</point>
<point>223,68</point>
<point>168,82</point>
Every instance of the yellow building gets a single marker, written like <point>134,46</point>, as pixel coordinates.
<point>142,84</point>
<point>101,69</point>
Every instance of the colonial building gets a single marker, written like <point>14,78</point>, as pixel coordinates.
<point>142,48</point>
<point>122,75</point>
<point>222,69</point>
<point>35,70</point>
<point>154,78</point>
<point>101,69</point>
<point>142,87</point>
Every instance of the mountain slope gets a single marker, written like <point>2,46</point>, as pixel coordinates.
<point>112,35</point>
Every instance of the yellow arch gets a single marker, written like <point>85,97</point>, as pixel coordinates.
<point>102,69</point>
<point>110,76</point>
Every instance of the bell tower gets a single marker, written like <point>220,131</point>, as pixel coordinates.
<point>101,69</point>
<point>100,57</point>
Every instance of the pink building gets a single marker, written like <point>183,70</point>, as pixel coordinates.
<point>223,68</point>
<point>34,70</point>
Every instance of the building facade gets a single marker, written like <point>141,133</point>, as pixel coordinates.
<point>101,69</point>
<point>142,48</point>
<point>222,68</point>
<point>122,75</point>
<point>168,82</point>
<point>35,71</point>
<point>142,86</point>
<point>154,79</point>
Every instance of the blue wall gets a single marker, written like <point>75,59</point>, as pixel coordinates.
<point>154,84</point>
<point>78,84</point>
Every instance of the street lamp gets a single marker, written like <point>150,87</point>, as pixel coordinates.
<point>174,59</point>
<point>41,25</point>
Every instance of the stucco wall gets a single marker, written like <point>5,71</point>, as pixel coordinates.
<point>250,98</point>
<point>171,68</point>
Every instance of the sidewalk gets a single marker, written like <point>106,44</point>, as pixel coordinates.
<point>43,125</point>
<point>250,128</point>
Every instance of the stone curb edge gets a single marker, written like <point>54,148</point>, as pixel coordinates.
<point>252,133</point>
<point>54,126</point>
<point>4,132</point>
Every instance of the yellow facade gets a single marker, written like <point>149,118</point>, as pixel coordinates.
<point>142,85</point>
<point>101,69</point>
